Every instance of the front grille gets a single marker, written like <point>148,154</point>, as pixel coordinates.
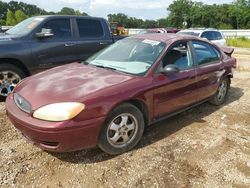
<point>22,103</point>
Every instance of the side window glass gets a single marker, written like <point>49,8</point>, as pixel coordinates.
<point>205,35</point>
<point>208,35</point>
<point>216,51</point>
<point>205,53</point>
<point>214,35</point>
<point>178,55</point>
<point>89,28</point>
<point>219,37</point>
<point>59,27</point>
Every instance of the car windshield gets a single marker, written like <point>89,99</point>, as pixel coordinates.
<point>25,26</point>
<point>188,33</point>
<point>130,55</point>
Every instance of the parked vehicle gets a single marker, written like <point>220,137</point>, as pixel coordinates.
<point>212,35</point>
<point>159,30</point>
<point>43,42</point>
<point>110,98</point>
<point>3,29</point>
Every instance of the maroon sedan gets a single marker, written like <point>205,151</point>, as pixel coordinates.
<point>109,99</point>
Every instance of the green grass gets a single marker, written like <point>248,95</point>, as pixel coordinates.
<point>241,42</point>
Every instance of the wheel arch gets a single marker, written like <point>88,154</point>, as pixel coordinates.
<point>230,76</point>
<point>17,63</point>
<point>141,105</point>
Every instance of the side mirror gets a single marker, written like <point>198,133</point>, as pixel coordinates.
<point>170,69</point>
<point>44,33</point>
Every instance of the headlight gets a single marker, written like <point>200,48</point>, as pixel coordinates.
<point>59,111</point>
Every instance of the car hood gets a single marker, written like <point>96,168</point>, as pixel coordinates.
<point>68,83</point>
<point>5,37</point>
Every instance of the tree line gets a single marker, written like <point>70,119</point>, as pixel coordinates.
<point>14,12</point>
<point>187,13</point>
<point>181,14</point>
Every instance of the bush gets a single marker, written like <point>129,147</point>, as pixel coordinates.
<point>242,42</point>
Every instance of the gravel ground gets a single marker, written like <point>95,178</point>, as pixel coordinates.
<point>206,146</point>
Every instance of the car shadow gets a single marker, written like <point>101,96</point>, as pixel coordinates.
<point>154,132</point>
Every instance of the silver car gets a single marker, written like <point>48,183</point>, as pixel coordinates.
<point>214,35</point>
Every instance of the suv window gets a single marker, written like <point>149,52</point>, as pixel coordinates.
<point>89,28</point>
<point>210,35</point>
<point>60,28</point>
<point>179,55</point>
<point>205,53</point>
<point>218,35</point>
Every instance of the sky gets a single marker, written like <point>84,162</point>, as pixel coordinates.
<point>144,9</point>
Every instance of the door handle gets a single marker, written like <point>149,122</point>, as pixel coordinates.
<point>69,44</point>
<point>103,43</point>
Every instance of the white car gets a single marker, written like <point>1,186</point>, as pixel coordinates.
<point>213,35</point>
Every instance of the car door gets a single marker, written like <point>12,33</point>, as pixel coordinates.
<point>91,37</point>
<point>209,68</point>
<point>177,91</point>
<point>57,49</point>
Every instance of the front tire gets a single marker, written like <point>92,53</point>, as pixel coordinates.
<point>10,76</point>
<point>221,93</point>
<point>122,129</point>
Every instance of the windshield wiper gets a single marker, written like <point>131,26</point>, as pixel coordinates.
<point>104,67</point>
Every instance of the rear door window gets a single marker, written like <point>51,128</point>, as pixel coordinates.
<point>205,53</point>
<point>89,28</point>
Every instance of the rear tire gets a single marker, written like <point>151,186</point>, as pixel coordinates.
<point>122,129</point>
<point>221,94</point>
<point>10,76</point>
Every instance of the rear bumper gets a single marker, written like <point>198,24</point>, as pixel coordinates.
<point>55,136</point>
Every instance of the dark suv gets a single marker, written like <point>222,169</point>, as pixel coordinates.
<point>42,42</point>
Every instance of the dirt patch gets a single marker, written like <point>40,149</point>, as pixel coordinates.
<point>206,146</point>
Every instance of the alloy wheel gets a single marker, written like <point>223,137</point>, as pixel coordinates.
<point>222,90</point>
<point>122,130</point>
<point>8,81</point>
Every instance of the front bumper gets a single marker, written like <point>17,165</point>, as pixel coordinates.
<point>55,136</point>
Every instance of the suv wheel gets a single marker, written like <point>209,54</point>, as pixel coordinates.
<point>122,130</point>
<point>10,76</point>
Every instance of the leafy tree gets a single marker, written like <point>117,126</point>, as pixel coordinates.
<point>120,18</point>
<point>71,11</point>
<point>196,14</point>
<point>3,10</point>
<point>67,11</point>
<point>77,12</point>
<point>235,15</point>
<point>179,13</point>
<point>163,22</point>
<point>20,16</point>
<point>2,22</point>
<point>10,20</point>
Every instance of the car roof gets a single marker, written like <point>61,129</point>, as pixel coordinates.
<point>166,37</point>
<point>67,16</point>
<point>199,30</point>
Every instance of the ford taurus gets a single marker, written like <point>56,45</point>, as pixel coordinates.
<point>107,100</point>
